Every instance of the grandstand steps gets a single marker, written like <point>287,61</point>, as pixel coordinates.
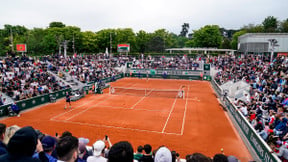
<point>8,100</point>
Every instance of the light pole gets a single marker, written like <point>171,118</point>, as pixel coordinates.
<point>73,46</point>
<point>273,43</point>
<point>110,43</point>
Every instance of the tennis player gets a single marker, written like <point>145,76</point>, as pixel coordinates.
<point>67,101</point>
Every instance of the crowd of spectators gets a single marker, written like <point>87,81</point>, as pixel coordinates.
<point>266,108</point>
<point>29,145</point>
<point>23,77</point>
<point>177,61</point>
<point>83,68</point>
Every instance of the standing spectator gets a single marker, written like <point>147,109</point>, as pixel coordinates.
<point>98,149</point>
<point>48,144</point>
<point>3,147</point>
<point>163,154</point>
<point>10,131</point>
<point>147,156</point>
<point>83,152</point>
<point>121,152</point>
<point>220,158</point>
<point>67,149</point>
<point>139,154</point>
<point>197,157</point>
<point>22,145</point>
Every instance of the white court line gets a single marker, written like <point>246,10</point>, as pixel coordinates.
<point>108,126</point>
<point>172,108</point>
<point>71,110</point>
<point>118,107</point>
<point>137,102</point>
<point>184,117</point>
<point>86,109</point>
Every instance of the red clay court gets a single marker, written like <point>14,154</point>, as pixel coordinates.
<point>195,123</point>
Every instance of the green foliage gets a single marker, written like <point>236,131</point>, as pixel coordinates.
<point>234,42</point>
<point>270,24</point>
<point>226,44</point>
<point>284,26</point>
<point>56,25</point>
<point>207,36</point>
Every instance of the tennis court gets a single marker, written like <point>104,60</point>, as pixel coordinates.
<point>145,111</point>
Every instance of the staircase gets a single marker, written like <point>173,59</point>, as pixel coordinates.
<point>68,80</point>
<point>8,100</point>
<point>72,81</point>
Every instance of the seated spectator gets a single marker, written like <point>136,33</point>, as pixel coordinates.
<point>15,108</point>
<point>67,148</point>
<point>48,144</point>
<point>121,152</point>
<point>98,149</point>
<point>10,131</point>
<point>283,152</point>
<point>3,147</point>
<point>147,156</point>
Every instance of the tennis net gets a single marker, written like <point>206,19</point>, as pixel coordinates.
<point>169,93</point>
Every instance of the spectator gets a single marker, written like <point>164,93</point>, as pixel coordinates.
<point>67,149</point>
<point>83,152</point>
<point>147,156</point>
<point>163,154</point>
<point>98,149</point>
<point>283,152</point>
<point>48,144</point>
<point>220,158</point>
<point>3,147</point>
<point>10,131</point>
<point>15,108</point>
<point>138,155</point>
<point>197,157</point>
<point>22,146</point>
<point>66,133</point>
<point>121,152</point>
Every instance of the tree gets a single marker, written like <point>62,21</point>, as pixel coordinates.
<point>89,42</point>
<point>142,39</point>
<point>284,26</point>
<point>207,36</point>
<point>251,28</point>
<point>234,42</point>
<point>56,25</point>
<point>226,44</point>
<point>270,24</point>
<point>185,29</point>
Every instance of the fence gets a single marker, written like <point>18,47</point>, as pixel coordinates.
<point>35,101</point>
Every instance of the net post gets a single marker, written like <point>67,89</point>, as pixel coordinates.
<point>110,90</point>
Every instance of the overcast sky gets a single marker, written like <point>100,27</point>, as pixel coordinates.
<point>147,15</point>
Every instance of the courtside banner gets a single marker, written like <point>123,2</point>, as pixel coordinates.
<point>21,47</point>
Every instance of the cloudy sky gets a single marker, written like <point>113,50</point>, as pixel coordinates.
<point>147,15</point>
